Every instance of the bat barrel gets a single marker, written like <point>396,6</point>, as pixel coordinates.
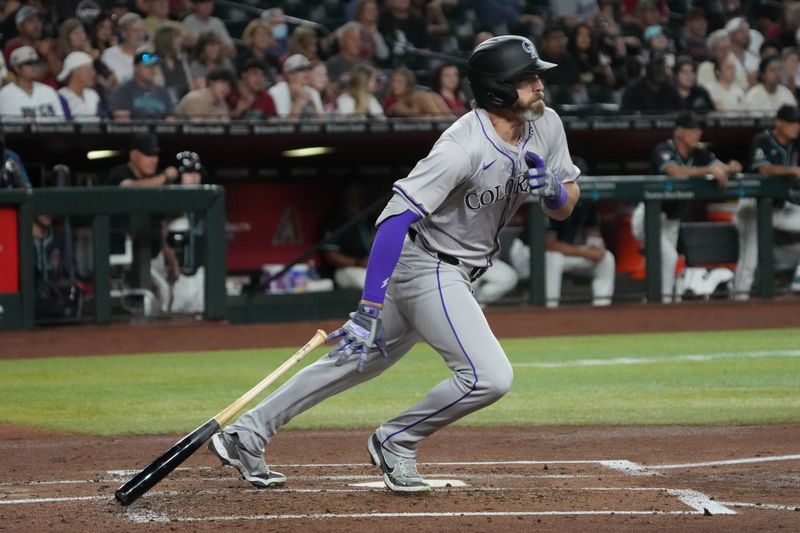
<point>164,464</point>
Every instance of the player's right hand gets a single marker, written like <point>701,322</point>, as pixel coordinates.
<point>358,335</point>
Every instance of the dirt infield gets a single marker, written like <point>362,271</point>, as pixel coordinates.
<point>661,478</point>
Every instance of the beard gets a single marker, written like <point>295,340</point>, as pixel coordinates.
<point>530,112</point>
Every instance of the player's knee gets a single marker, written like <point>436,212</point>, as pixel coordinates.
<point>498,383</point>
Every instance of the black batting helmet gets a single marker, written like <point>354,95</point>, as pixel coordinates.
<point>497,63</point>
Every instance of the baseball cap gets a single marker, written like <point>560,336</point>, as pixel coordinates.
<point>25,13</point>
<point>71,62</point>
<point>789,113</point>
<point>296,62</point>
<point>735,24</point>
<point>652,31</point>
<point>24,55</point>
<point>687,120</point>
<point>147,143</point>
<point>146,58</point>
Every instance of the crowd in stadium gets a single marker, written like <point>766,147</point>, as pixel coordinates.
<point>165,59</point>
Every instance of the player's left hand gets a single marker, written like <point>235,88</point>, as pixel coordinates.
<point>358,336</point>
<point>545,183</point>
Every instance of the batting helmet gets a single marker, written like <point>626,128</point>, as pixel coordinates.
<point>497,63</point>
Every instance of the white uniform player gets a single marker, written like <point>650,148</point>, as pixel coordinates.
<point>438,233</point>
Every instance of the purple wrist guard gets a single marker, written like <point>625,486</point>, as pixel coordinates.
<point>558,201</point>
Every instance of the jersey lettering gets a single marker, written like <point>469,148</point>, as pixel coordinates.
<point>512,187</point>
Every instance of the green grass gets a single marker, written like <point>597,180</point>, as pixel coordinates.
<point>750,377</point>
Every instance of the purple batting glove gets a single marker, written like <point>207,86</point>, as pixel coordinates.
<point>544,183</point>
<point>362,332</point>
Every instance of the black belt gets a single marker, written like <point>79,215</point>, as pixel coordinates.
<point>474,274</point>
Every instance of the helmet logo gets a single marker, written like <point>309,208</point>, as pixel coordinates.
<point>529,49</point>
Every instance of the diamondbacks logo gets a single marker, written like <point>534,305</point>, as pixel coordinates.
<point>759,155</point>
<point>289,231</point>
<point>529,49</point>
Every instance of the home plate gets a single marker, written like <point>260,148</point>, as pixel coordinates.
<point>435,483</point>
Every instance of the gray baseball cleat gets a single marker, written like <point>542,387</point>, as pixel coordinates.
<point>253,469</point>
<point>399,473</point>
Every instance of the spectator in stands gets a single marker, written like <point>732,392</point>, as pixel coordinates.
<point>276,20</point>
<point>102,33</point>
<point>250,100</point>
<point>328,92</point>
<point>447,84</point>
<point>140,98</point>
<point>173,72</point>
<point>119,58</point>
<point>693,97</point>
<point>679,157</point>
<point>658,44</point>
<point>25,98</point>
<point>349,39</point>
<point>5,74</point>
<point>201,21</point>
<point>348,253</point>
<point>401,28</point>
<point>406,100</point>
<point>304,41</point>
<point>72,38</point>
<point>80,101</point>
<point>653,93</point>
<point>571,13</point>
<point>769,48</point>
<point>293,97</point>
<point>693,37</point>
<point>773,153</point>
<point>573,246</point>
<point>790,70</point>
<point>719,46</point>
<point>157,15</point>
<point>261,45</point>
<point>739,34</point>
<point>28,21</point>
<point>358,99</point>
<point>373,44</point>
<point>768,96</point>
<point>209,103</point>
<point>596,78</point>
<point>207,57</point>
<point>727,95</point>
<point>561,81</point>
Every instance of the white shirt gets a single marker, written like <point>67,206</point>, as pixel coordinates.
<point>282,97</point>
<point>213,24</point>
<point>729,100</point>
<point>759,102</point>
<point>346,105</point>
<point>42,105</point>
<point>82,109</point>
<point>472,182</point>
<point>120,63</point>
<point>705,73</point>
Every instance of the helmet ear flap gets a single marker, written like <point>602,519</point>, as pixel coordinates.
<point>498,94</point>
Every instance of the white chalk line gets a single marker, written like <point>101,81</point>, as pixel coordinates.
<point>746,460</point>
<point>770,506</point>
<point>648,360</point>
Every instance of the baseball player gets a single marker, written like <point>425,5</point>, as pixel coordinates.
<point>772,153</point>
<point>681,156</point>
<point>438,233</point>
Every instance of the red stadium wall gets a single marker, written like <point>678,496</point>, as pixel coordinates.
<point>9,252</point>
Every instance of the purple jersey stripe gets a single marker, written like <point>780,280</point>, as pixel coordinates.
<point>460,345</point>
<point>409,199</point>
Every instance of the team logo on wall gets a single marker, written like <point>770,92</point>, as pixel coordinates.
<point>289,230</point>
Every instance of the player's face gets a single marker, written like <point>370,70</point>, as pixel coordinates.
<point>530,98</point>
<point>690,136</point>
<point>790,130</point>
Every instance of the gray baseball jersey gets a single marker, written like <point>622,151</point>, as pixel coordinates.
<point>465,190</point>
<point>473,182</point>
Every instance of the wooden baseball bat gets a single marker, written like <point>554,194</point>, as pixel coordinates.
<point>181,450</point>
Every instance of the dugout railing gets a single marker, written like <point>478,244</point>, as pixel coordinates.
<point>653,190</point>
<point>99,204</point>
